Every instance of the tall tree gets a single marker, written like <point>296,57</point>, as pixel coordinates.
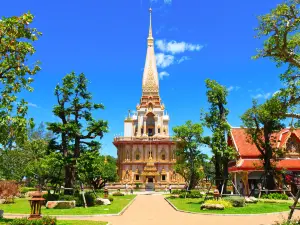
<point>16,38</point>
<point>190,158</point>
<point>216,121</point>
<point>77,127</point>
<point>281,27</point>
<point>96,170</point>
<point>261,122</point>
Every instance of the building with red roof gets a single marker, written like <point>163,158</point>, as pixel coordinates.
<point>248,165</point>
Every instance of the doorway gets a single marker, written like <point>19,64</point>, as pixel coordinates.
<point>150,179</point>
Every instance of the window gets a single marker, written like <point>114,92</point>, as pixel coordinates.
<point>158,130</point>
<point>142,131</point>
<point>163,177</point>
<point>137,177</point>
<point>163,157</point>
<point>137,157</point>
<point>150,132</point>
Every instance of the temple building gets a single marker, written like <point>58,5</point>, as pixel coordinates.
<point>146,152</point>
<point>248,166</point>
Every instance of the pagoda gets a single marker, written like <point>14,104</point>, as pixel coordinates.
<point>146,152</point>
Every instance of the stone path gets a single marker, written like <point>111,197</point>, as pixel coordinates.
<point>154,210</point>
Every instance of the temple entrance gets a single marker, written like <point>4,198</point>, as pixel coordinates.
<point>150,185</point>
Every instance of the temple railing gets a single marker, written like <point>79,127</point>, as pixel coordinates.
<point>146,139</point>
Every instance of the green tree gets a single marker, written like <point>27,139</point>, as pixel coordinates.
<point>16,38</point>
<point>280,28</point>
<point>261,122</point>
<point>96,170</point>
<point>189,139</point>
<point>77,127</point>
<point>216,121</point>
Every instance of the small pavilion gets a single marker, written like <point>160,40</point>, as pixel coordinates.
<point>248,165</point>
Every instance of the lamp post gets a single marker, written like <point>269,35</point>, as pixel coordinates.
<point>36,203</point>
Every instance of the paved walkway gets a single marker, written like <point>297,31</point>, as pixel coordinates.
<point>154,210</point>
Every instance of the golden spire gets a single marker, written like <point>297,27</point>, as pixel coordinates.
<point>150,37</point>
<point>150,76</point>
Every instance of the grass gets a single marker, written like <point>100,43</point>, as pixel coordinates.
<point>193,205</point>
<point>21,206</point>
<point>64,222</point>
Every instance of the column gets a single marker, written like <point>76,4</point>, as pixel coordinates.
<point>145,131</point>
<point>144,153</point>
<point>156,125</point>
<point>139,126</point>
<point>156,152</point>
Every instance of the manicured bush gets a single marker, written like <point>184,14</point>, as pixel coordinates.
<point>191,194</point>
<point>25,221</point>
<point>90,198</point>
<point>24,190</point>
<point>67,198</point>
<point>118,194</point>
<point>277,196</point>
<point>137,185</point>
<point>178,192</point>
<point>110,198</point>
<point>225,203</point>
<point>236,201</point>
<point>51,197</point>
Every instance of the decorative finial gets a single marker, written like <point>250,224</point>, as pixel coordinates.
<point>150,37</point>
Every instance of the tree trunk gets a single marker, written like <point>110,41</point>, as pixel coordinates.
<point>217,169</point>
<point>69,179</point>
<point>225,173</point>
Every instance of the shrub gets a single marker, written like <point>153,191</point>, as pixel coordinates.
<point>24,190</point>
<point>137,185</point>
<point>25,221</point>
<point>8,190</point>
<point>110,198</point>
<point>118,194</point>
<point>277,196</point>
<point>51,197</point>
<point>90,198</point>
<point>191,194</point>
<point>67,198</point>
<point>225,203</point>
<point>286,222</point>
<point>236,201</point>
<point>178,192</point>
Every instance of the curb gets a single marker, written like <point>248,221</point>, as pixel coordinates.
<point>75,216</point>
<point>215,214</point>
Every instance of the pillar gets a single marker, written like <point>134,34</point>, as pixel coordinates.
<point>156,125</point>
<point>145,131</point>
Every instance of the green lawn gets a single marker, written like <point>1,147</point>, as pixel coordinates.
<point>64,222</point>
<point>193,205</point>
<point>22,206</point>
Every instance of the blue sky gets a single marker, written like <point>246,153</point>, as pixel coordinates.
<point>195,40</point>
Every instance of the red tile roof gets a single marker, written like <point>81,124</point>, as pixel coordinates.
<point>246,149</point>
<point>257,165</point>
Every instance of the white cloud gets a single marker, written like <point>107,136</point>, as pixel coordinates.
<point>263,95</point>
<point>163,60</point>
<point>183,58</point>
<point>163,74</point>
<point>33,105</point>
<point>168,2</point>
<point>233,88</point>
<point>176,47</point>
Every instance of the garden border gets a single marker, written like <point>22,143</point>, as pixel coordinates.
<point>7,215</point>
<point>215,214</point>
